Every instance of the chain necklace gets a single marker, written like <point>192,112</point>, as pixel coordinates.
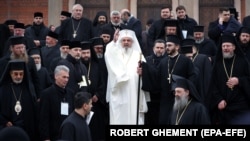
<point>75,30</point>
<point>195,57</point>
<point>18,106</point>
<point>89,72</point>
<point>170,73</point>
<point>178,118</point>
<point>231,71</point>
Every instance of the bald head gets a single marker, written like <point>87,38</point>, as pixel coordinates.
<point>124,10</point>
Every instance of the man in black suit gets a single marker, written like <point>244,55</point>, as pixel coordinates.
<point>132,23</point>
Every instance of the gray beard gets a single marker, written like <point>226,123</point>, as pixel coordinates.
<point>17,82</point>
<point>180,103</point>
<point>227,55</point>
<point>99,55</point>
<point>199,41</point>
<point>38,67</point>
<point>115,24</point>
<point>64,55</point>
<point>23,57</point>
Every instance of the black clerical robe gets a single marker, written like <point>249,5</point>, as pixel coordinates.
<point>207,47</point>
<point>96,87</point>
<point>50,110</point>
<point>75,128</point>
<point>83,28</point>
<point>48,54</point>
<point>237,98</point>
<point>204,66</point>
<point>195,114</point>
<point>178,65</point>
<point>152,116</point>
<point>37,32</point>
<point>77,74</point>
<point>44,78</point>
<point>26,119</point>
<point>32,72</point>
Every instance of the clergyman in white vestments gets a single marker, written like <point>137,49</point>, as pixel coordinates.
<point>122,57</point>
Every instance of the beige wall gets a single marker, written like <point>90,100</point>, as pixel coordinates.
<point>247,7</point>
<point>54,11</point>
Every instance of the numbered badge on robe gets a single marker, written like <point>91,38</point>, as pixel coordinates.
<point>64,108</point>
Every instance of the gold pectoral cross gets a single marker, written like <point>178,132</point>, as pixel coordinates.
<point>74,34</point>
<point>83,83</point>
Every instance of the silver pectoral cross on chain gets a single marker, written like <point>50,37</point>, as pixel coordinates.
<point>169,78</point>
<point>74,34</point>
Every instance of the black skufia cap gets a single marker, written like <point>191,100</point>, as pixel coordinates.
<point>19,25</point>
<point>187,45</point>
<point>16,65</point>
<point>65,42</point>
<point>228,38</point>
<point>245,29</point>
<point>75,44</point>
<point>15,40</point>
<point>38,14</point>
<point>173,38</point>
<point>97,41</point>
<point>10,22</point>
<point>85,45</point>
<point>178,81</point>
<point>66,13</point>
<point>171,22</point>
<point>53,34</point>
<point>105,31</point>
<point>33,51</point>
<point>198,28</point>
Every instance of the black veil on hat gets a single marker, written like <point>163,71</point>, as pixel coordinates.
<point>14,65</point>
<point>243,29</point>
<point>53,34</point>
<point>174,39</point>
<point>66,13</point>
<point>179,81</point>
<point>187,45</point>
<point>98,14</point>
<point>88,45</point>
<point>15,40</point>
<point>97,41</point>
<point>171,23</point>
<point>198,28</point>
<point>19,25</point>
<point>227,37</point>
<point>75,44</point>
<point>10,22</point>
<point>65,42</point>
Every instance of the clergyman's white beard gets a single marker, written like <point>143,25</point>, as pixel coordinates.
<point>64,55</point>
<point>127,50</point>
<point>227,55</point>
<point>18,81</point>
<point>199,41</point>
<point>180,103</point>
<point>38,67</point>
<point>99,55</point>
<point>115,24</point>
